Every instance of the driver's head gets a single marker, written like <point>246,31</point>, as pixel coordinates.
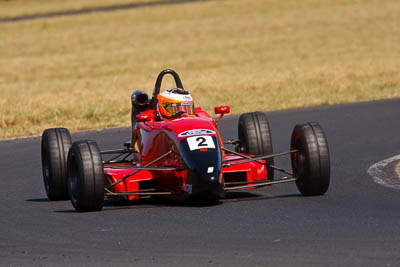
<point>173,101</point>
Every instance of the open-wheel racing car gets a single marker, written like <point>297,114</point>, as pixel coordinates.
<point>176,151</point>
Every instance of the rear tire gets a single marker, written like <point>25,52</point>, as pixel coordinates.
<point>311,164</point>
<point>85,176</point>
<point>56,143</point>
<point>255,137</point>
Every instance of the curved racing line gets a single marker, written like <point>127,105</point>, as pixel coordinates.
<point>382,176</point>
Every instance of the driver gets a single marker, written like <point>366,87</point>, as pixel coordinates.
<point>174,102</point>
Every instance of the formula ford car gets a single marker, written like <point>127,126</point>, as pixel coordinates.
<point>180,157</point>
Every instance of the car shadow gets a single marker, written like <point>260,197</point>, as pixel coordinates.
<point>38,200</point>
<point>247,196</point>
<point>162,202</point>
<point>148,203</point>
<point>157,202</point>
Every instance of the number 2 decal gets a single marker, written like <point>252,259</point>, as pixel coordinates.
<point>202,141</point>
<point>198,142</point>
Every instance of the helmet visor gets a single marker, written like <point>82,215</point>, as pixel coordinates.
<point>173,108</point>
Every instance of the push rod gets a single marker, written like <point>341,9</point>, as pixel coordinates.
<point>280,169</point>
<point>142,168</point>
<point>247,157</point>
<point>133,193</point>
<point>115,151</point>
<point>283,180</point>
<point>143,192</point>
<point>240,154</point>
<point>138,170</point>
<point>258,158</point>
<point>113,158</point>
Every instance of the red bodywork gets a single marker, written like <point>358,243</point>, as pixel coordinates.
<point>154,139</point>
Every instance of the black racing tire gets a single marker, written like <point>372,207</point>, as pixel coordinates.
<point>85,176</point>
<point>255,137</point>
<point>56,143</point>
<point>311,164</point>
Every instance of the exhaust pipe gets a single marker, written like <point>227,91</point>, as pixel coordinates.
<point>140,100</point>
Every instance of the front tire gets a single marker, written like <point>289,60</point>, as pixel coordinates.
<point>56,143</point>
<point>311,163</point>
<point>255,137</point>
<point>85,176</point>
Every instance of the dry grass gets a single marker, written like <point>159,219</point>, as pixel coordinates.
<point>79,71</point>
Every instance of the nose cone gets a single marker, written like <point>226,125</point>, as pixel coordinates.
<point>202,156</point>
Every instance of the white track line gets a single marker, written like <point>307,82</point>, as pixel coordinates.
<point>382,177</point>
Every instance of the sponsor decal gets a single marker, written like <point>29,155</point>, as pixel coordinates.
<point>181,104</point>
<point>195,132</point>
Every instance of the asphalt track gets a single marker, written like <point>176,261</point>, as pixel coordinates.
<point>357,223</point>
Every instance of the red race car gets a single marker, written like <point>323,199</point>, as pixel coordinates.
<point>176,151</point>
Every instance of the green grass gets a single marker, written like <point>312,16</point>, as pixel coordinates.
<point>79,71</point>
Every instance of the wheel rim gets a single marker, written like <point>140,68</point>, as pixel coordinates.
<point>298,158</point>
<point>242,147</point>
<point>46,172</point>
<point>46,177</point>
<point>73,180</point>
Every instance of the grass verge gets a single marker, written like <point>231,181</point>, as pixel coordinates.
<point>79,71</point>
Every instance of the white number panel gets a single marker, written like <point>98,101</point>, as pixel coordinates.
<point>199,142</point>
